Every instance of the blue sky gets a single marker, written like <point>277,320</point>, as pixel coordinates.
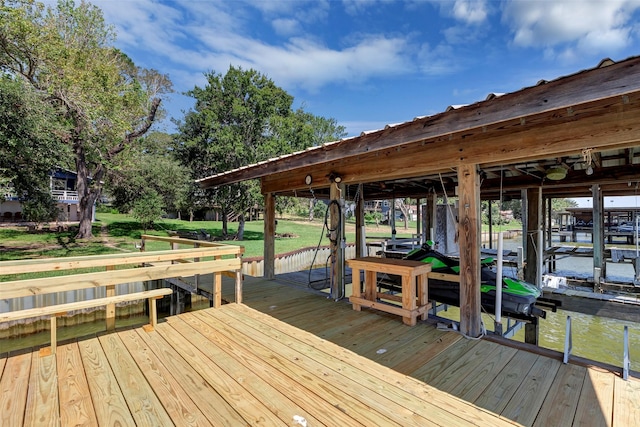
<point>372,63</point>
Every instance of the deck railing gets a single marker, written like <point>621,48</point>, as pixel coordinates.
<point>42,294</point>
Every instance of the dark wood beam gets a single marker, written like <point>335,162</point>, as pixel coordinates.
<point>564,96</point>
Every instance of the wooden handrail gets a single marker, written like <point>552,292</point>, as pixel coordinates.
<point>129,258</point>
<point>31,287</point>
<point>182,241</point>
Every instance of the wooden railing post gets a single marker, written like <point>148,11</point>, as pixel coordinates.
<point>110,316</point>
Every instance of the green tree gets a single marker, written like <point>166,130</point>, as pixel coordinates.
<point>29,144</point>
<point>148,209</point>
<point>232,125</point>
<point>149,166</point>
<point>106,103</point>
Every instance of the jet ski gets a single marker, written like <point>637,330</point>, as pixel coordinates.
<point>519,298</point>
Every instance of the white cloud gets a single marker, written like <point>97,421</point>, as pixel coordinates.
<point>470,11</point>
<point>286,27</point>
<point>584,26</point>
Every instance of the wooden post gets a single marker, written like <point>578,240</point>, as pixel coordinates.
<point>269,236</point>
<point>469,232</point>
<point>336,222</point>
<point>534,226</point>
<point>239,287</point>
<point>532,254</point>
<point>429,216</point>
<point>361,242</point>
<point>598,232</point>
<point>490,226</point>
<point>111,308</point>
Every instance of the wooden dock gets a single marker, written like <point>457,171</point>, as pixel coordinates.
<point>290,356</point>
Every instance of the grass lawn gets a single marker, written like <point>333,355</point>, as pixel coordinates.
<point>117,232</point>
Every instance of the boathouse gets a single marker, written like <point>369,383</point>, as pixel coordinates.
<point>574,136</point>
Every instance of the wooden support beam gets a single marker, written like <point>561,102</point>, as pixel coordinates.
<point>599,261</point>
<point>336,222</point>
<point>533,214</point>
<point>469,239</point>
<point>607,125</point>
<point>361,243</point>
<point>269,236</point>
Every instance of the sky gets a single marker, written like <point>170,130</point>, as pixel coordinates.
<point>369,63</point>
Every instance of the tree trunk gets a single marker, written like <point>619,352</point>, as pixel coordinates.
<point>225,220</point>
<point>87,194</point>
<point>240,235</point>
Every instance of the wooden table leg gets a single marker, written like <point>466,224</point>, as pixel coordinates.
<point>423,293</point>
<point>409,298</point>
<point>356,289</point>
<point>370,281</point>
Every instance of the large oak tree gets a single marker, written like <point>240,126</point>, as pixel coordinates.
<point>105,102</point>
<point>240,118</point>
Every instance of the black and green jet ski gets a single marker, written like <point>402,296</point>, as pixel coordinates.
<point>519,298</point>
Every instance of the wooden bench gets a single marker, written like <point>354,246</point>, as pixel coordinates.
<point>109,279</point>
<point>414,276</point>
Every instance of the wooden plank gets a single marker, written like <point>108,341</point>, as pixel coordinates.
<point>498,394</point>
<point>310,398</point>
<point>13,389</point>
<point>436,405</point>
<point>527,400</point>
<point>173,397</point>
<point>475,383</point>
<point>207,398</point>
<point>91,261</point>
<point>390,265</point>
<point>30,287</point>
<point>221,352</point>
<point>436,365</point>
<point>406,344</point>
<point>79,305</point>
<point>107,396</point>
<point>595,407</point>
<point>626,405</point>
<point>559,407</point>
<point>321,373</point>
<point>143,403</point>
<point>76,406</point>
<point>42,400</point>
<point>425,354</point>
<point>190,242</point>
<point>252,409</point>
<point>464,368</point>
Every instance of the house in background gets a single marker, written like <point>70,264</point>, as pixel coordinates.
<point>62,183</point>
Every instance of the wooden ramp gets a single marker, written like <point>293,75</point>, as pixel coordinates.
<point>290,356</point>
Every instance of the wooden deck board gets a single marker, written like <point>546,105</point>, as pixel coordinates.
<point>303,390</point>
<point>14,386</point>
<point>42,401</point>
<point>208,341</point>
<point>626,411</point>
<point>76,406</point>
<point>237,366</point>
<point>109,404</point>
<point>252,410</point>
<point>204,395</point>
<point>561,401</point>
<point>524,405</point>
<point>169,391</point>
<point>496,396</point>
<point>595,407</point>
<point>432,402</point>
<point>141,399</point>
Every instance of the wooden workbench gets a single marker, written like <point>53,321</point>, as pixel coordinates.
<point>414,277</point>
